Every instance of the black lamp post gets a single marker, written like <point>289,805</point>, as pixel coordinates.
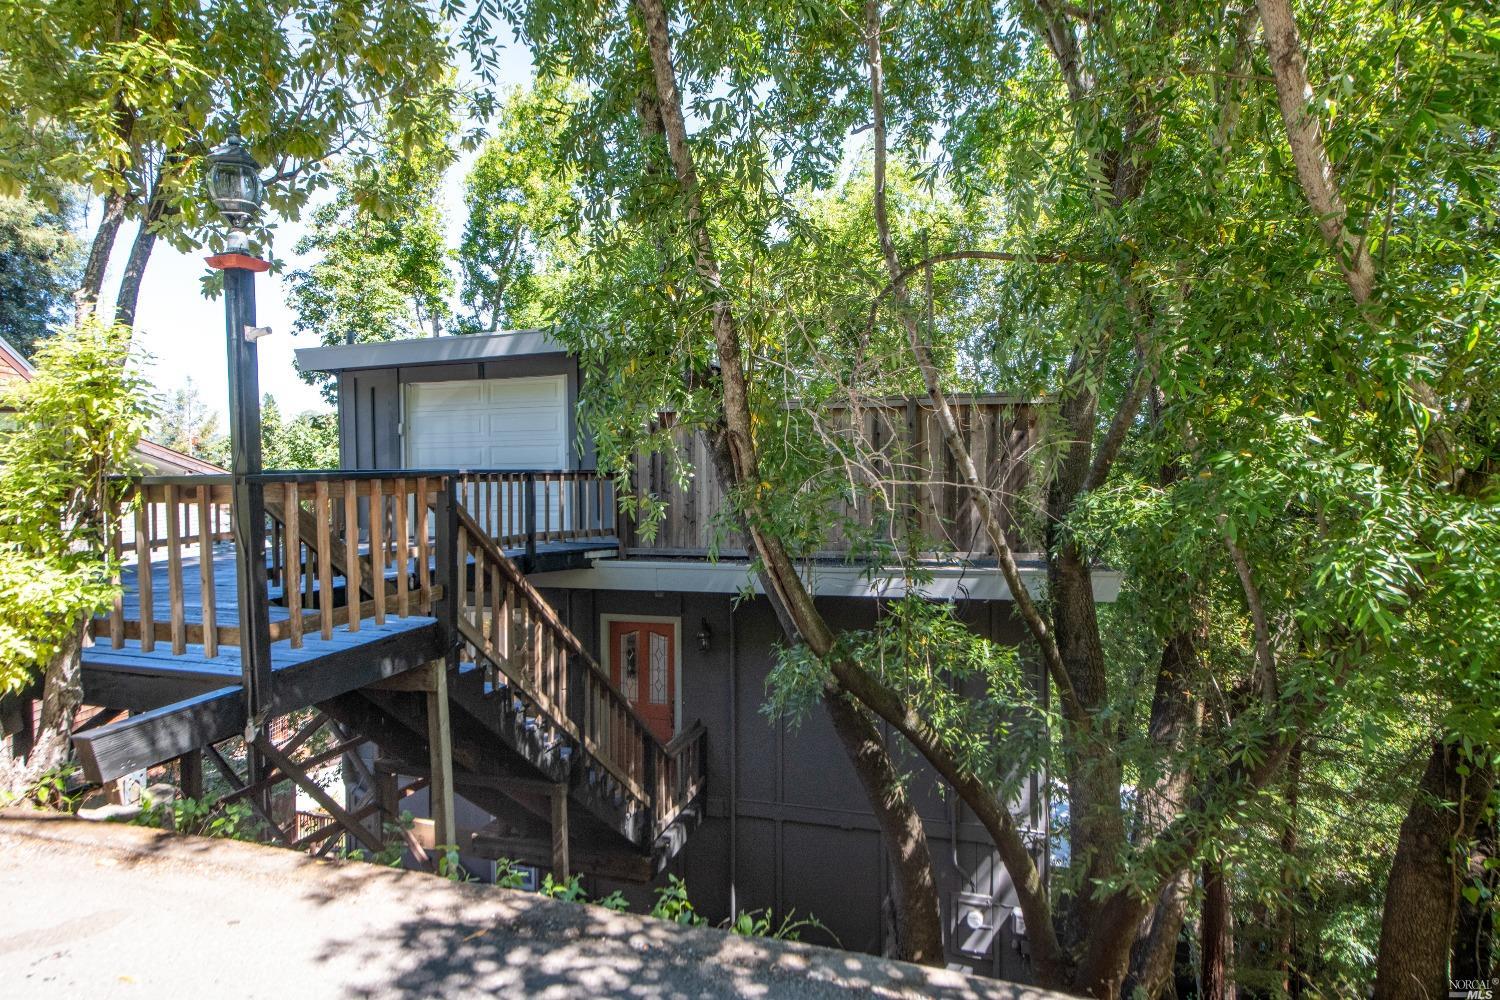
<point>234,186</point>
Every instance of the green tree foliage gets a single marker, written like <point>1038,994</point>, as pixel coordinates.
<point>39,266</point>
<point>127,101</point>
<point>309,440</point>
<point>74,424</point>
<point>380,267</point>
<point>1262,332</point>
<point>514,253</point>
<point>189,425</point>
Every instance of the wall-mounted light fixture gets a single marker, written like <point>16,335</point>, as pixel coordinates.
<point>705,636</point>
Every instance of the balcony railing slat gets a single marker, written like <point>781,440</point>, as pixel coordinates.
<point>377,549</point>
<point>325,559</point>
<point>403,550</point>
<point>292,577</point>
<point>206,571</point>
<point>353,579</point>
<point>143,574</point>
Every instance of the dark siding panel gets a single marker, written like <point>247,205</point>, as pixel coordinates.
<point>795,832</point>
<point>759,739</point>
<point>756,866</point>
<point>705,867</point>
<point>833,875</point>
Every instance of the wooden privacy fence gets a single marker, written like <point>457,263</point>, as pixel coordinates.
<point>908,490</point>
<point>509,625</point>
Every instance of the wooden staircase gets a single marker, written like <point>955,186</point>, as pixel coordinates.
<point>536,726</point>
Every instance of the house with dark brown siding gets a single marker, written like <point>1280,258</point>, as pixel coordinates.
<point>785,825</point>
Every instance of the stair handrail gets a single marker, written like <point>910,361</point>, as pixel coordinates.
<point>629,770</point>
<point>651,776</point>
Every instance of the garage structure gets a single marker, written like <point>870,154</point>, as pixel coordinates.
<point>501,401</point>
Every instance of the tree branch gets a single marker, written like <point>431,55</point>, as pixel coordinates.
<point>1064,46</point>
<point>1265,655</point>
<point>932,381</point>
<point>1304,133</point>
<point>1005,256</point>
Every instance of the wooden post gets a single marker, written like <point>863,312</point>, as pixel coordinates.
<point>449,573</point>
<point>190,774</point>
<point>528,504</point>
<point>440,752</point>
<point>573,692</point>
<point>387,797</point>
<point>560,833</point>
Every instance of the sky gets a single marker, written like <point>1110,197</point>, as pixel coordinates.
<point>182,333</point>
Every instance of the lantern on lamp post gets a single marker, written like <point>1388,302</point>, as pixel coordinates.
<point>234,186</point>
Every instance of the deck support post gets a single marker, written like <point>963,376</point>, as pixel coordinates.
<point>440,750</point>
<point>559,795</point>
<point>387,796</point>
<point>190,774</point>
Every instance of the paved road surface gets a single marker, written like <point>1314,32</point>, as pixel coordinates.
<point>100,910</point>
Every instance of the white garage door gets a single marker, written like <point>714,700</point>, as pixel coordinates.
<point>507,423</point>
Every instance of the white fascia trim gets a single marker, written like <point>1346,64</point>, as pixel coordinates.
<point>664,576</point>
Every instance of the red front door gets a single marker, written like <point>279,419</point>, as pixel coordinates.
<point>643,664</point>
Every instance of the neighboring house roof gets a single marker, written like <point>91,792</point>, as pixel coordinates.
<point>157,459</point>
<point>163,461</point>
<point>13,367</point>
<point>429,351</point>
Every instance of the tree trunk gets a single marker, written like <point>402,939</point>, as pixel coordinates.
<point>1215,933</point>
<point>135,270</point>
<point>737,463</point>
<point>919,929</point>
<point>1474,937</point>
<point>92,283</point>
<point>1155,948</point>
<point>1175,715</point>
<point>1304,132</point>
<point>62,693</point>
<point>1286,961</point>
<point>1421,899</point>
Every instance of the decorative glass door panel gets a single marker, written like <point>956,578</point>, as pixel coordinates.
<point>643,665</point>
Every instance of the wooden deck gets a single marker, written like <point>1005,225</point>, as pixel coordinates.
<point>196,685</point>
<point>396,602</point>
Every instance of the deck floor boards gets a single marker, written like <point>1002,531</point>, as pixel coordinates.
<point>130,658</point>
<point>182,700</point>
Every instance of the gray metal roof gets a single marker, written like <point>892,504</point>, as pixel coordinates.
<point>428,351</point>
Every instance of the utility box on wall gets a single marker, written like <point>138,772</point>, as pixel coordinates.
<point>976,923</point>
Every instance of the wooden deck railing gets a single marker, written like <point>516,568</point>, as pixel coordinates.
<point>184,516</point>
<point>510,625</point>
<point>177,539</point>
<point>350,547</point>
<point>345,547</point>
<point>172,527</point>
<point>520,509</point>
<point>680,773</point>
